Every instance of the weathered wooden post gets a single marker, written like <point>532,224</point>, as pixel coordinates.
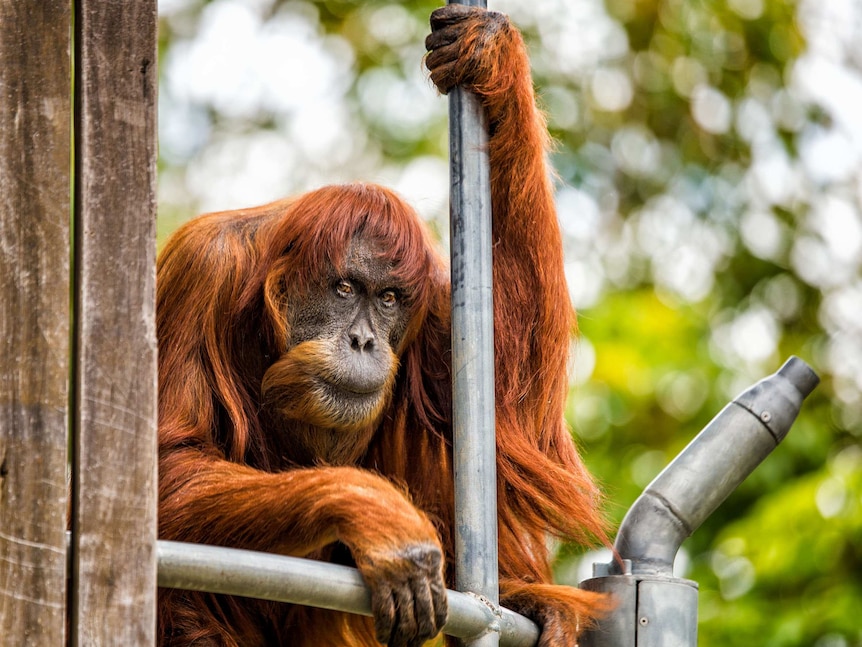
<point>35,186</point>
<point>114,382</point>
<point>95,358</point>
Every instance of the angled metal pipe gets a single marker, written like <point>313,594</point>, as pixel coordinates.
<point>728,449</point>
<point>655,609</point>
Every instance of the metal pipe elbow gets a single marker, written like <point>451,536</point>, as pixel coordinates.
<point>728,449</point>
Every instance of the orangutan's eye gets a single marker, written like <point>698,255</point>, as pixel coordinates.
<point>344,288</point>
<point>389,298</point>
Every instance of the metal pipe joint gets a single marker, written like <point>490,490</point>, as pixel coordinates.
<point>654,608</point>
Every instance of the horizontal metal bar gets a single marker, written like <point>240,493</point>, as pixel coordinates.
<point>231,571</point>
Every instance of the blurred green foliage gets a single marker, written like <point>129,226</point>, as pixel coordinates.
<point>710,192</point>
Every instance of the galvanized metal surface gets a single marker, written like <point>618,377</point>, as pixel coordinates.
<point>651,611</point>
<point>617,629</point>
<point>728,449</point>
<point>473,351</point>
<point>654,608</point>
<point>231,571</point>
<point>666,613</point>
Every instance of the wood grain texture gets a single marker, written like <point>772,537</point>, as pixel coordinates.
<point>114,468</point>
<point>35,150</point>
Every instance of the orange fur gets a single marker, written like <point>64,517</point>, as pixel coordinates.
<point>228,477</point>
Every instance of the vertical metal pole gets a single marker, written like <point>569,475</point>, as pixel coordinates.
<point>473,352</point>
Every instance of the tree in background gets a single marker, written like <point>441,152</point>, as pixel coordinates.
<point>710,193</point>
